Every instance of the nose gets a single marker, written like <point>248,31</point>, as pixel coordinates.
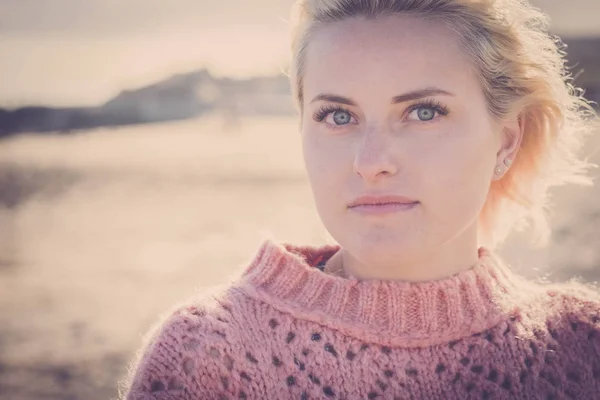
<point>374,158</point>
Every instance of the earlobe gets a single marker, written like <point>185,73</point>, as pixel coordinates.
<point>500,168</point>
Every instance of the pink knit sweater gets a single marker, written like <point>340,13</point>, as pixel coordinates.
<point>285,330</point>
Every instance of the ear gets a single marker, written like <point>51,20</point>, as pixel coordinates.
<point>511,136</point>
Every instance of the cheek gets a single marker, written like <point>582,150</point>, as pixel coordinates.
<point>461,174</point>
<point>467,150</point>
<point>324,165</point>
<point>313,157</point>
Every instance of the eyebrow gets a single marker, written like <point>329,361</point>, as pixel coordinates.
<point>414,95</point>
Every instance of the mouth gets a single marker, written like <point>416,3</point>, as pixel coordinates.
<point>382,208</point>
<point>381,204</point>
<point>379,201</point>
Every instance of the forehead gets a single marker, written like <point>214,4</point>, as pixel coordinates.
<point>395,52</point>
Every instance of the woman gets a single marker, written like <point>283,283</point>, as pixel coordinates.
<point>430,127</point>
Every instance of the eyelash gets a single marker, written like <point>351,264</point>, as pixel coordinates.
<point>433,104</point>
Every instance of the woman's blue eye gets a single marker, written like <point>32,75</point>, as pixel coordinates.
<point>341,117</point>
<point>427,111</point>
<point>425,114</point>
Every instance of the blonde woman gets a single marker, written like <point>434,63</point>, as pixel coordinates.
<point>430,128</point>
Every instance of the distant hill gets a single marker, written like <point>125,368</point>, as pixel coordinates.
<point>179,97</point>
<point>192,94</point>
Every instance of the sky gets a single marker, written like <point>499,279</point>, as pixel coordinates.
<point>74,52</point>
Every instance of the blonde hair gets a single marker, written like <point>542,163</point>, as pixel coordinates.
<point>523,74</point>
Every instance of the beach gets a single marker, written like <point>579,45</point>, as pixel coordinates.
<point>103,231</point>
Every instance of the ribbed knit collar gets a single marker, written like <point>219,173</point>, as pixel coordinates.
<point>409,314</point>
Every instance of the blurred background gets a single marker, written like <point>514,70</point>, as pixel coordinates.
<point>143,145</point>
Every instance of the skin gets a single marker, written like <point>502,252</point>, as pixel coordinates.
<point>445,162</point>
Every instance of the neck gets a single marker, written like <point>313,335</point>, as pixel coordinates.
<point>442,262</point>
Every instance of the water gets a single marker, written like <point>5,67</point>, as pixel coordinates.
<point>102,231</point>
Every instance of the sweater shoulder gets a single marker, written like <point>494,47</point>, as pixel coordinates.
<point>181,355</point>
<point>572,315</point>
<point>578,299</point>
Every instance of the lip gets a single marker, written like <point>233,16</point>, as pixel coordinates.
<point>380,200</point>
<point>384,204</point>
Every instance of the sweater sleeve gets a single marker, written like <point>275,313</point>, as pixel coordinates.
<point>173,364</point>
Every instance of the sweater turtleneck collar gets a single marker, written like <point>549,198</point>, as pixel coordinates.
<point>408,314</point>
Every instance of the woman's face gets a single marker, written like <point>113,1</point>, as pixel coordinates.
<point>393,107</point>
